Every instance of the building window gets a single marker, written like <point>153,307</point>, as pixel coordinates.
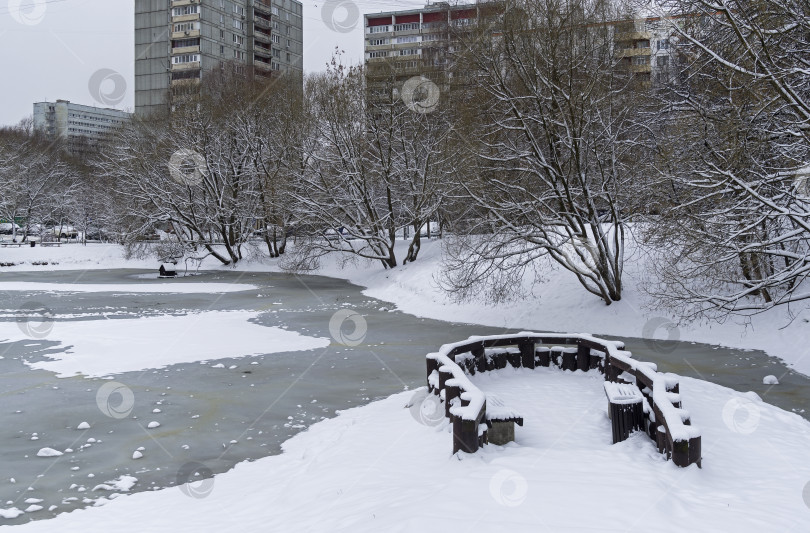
<point>238,40</point>
<point>186,26</point>
<point>238,24</point>
<point>380,53</point>
<point>379,29</point>
<point>221,34</point>
<point>662,61</point>
<point>222,50</point>
<point>239,10</point>
<point>377,42</point>
<point>276,39</point>
<point>663,44</point>
<point>408,39</point>
<point>641,60</point>
<point>182,43</point>
<point>185,58</point>
<point>405,27</point>
<point>238,54</point>
<point>185,10</point>
<point>409,52</point>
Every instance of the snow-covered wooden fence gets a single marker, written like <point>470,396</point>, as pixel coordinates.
<point>665,421</point>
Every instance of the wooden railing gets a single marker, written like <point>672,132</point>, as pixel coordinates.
<point>448,371</point>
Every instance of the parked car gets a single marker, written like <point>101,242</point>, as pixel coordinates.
<point>64,232</point>
<point>98,234</point>
<point>7,228</point>
<point>435,230</point>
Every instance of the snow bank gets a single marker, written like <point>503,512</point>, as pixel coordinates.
<point>129,288</point>
<point>99,348</point>
<point>375,469</point>
<point>556,304</point>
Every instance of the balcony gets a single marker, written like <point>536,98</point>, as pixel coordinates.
<point>178,3</point>
<point>633,36</point>
<point>186,66</point>
<point>186,18</point>
<point>185,82</point>
<point>185,34</point>
<point>263,6</point>
<point>262,23</point>
<point>633,52</point>
<point>636,69</point>
<point>186,49</point>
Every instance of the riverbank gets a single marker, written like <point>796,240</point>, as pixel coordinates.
<point>376,468</point>
<point>557,303</point>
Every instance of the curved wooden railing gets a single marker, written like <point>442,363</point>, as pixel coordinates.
<point>448,371</point>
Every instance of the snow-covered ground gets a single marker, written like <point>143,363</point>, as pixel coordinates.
<point>376,468</point>
<point>95,348</point>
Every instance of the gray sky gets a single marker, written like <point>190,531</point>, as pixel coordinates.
<point>51,49</point>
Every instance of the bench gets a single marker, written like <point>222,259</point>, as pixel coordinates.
<point>500,421</point>
<point>50,243</point>
<point>625,409</point>
<point>17,244</point>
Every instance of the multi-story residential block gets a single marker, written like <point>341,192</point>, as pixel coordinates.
<point>416,42</point>
<point>643,47</point>
<point>178,41</point>
<point>79,127</point>
<point>427,42</point>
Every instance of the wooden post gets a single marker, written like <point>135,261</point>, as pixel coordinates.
<point>583,358</point>
<point>451,392</point>
<point>480,358</point>
<point>465,435</point>
<point>526,353</point>
<point>543,356</point>
<point>569,359</point>
<point>432,364</point>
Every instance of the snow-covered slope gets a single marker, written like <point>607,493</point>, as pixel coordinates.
<point>375,468</point>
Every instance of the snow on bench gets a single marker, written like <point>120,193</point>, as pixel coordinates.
<point>655,394</point>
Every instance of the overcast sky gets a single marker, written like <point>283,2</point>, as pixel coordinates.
<point>53,49</point>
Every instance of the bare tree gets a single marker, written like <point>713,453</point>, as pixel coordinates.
<point>373,167</point>
<point>736,237</point>
<point>557,138</point>
<point>196,171</point>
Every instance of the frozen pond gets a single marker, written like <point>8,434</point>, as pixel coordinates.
<point>231,409</point>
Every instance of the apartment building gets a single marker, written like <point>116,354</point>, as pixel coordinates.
<point>178,41</point>
<point>417,42</point>
<point>424,42</point>
<point>644,47</point>
<point>80,127</point>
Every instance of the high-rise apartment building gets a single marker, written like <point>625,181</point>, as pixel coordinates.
<point>79,127</point>
<point>426,42</point>
<point>178,41</point>
<point>416,42</point>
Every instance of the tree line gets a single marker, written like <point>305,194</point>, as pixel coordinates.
<point>535,147</point>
